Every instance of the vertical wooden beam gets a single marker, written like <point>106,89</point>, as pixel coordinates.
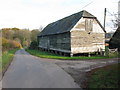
<point>119,13</point>
<point>89,54</point>
<point>104,17</point>
<point>71,54</point>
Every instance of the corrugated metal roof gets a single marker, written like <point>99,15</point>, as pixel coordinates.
<point>65,24</point>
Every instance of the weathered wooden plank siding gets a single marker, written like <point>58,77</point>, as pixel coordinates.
<point>85,40</point>
<point>59,42</point>
<point>43,42</point>
<point>82,42</point>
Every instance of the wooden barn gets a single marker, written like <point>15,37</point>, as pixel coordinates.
<point>115,40</point>
<point>75,34</point>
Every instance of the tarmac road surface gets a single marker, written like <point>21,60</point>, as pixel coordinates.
<point>27,71</point>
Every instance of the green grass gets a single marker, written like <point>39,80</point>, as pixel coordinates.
<point>111,55</point>
<point>7,58</point>
<point>43,54</point>
<point>105,77</point>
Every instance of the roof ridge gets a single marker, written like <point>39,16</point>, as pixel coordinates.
<point>65,24</point>
<point>87,14</point>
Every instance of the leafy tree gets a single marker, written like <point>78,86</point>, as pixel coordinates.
<point>8,34</point>
<point>13,37</point>
<point>23,36</point>
<point>15,29</point>
<point>34,34</point>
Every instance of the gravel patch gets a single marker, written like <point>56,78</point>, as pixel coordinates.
<point>78,68</point>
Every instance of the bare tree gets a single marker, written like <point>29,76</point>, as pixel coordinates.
<point>41,28</point>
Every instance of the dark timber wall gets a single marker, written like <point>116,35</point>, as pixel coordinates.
<point>58,42</point>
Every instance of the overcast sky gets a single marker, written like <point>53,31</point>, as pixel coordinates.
<point>34,13</point>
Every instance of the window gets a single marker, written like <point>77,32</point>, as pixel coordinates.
<point>88,25</point>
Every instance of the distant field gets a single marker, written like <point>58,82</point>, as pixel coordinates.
<point>105,77</point>
<point>7,58</point>
<point>44,54</point>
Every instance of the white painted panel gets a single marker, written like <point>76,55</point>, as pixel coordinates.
<point>81,21</point>
<point>88,49</point>
<point>97,28</point>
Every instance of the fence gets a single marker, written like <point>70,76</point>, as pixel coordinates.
<point>112,52</point>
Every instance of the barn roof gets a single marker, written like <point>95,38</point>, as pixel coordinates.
<point>65,24</point>
<point>115,40</point>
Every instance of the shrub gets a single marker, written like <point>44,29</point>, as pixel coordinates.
<point>9,44</point>
<point>5,44</point>
<point>14,44</point>
<point>33,45</point>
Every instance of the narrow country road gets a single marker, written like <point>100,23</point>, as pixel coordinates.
<point>27,71</point>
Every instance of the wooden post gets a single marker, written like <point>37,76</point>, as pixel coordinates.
<point>119,13</point>
<point>71,55</point>
<point>60,53</point>
<point>56,52</point>
<point>64,54</point>
<point>104,53</point>
<point>104,17</point>
<point>89,54</point>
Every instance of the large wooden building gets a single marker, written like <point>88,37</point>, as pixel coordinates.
<point>115,40</point>
<point>77,33</point>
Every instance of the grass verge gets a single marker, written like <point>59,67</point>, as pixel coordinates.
<point>43,54</point>
<point>6,59</point>
<point>105,77</point>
